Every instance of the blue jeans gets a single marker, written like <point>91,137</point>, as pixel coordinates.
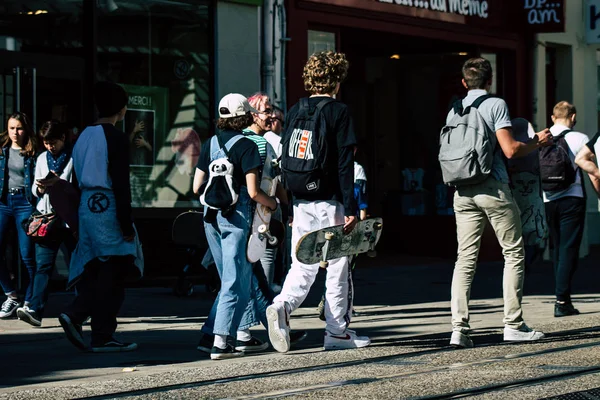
<point>16,208</point>
<point>228,238</point>
<point>45,257</point>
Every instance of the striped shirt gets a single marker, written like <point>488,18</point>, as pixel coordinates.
<point>260,141</point>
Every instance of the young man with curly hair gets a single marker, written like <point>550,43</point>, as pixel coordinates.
<point>333,205</point>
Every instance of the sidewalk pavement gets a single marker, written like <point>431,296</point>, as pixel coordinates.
<point>393,300</point>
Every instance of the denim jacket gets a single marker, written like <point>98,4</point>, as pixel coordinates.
<point>29,174</point>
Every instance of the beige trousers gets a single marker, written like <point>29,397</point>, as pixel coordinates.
<point>474,205</point>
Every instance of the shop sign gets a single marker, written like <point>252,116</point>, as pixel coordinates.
<point>592,21</point>
<point>468,8</point>
<point>544,15</point>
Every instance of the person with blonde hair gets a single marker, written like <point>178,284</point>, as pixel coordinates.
<point>565,208</point>
<point>328,203</point>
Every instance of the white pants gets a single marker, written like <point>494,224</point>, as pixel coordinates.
<point>308,217</point>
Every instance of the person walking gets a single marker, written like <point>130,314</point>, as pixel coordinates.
<point>52,165</point>
<point>108,250</point>
<point>227,231</point>
<point>565,207</point>
<point>326,203</point>
<point>490,200</point>
<point>17,165</point>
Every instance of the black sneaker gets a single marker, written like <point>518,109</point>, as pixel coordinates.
<point>565,310</point>
<point>222,354</point>
<point>113,346</point>
<point>251,346</point>
<point>28,315</point>
<point>9,308</point>
<point>73,331</point>
<point>206,343</point>
<point>297,336</point>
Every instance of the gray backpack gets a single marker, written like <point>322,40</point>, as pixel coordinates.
<point>466,146</point>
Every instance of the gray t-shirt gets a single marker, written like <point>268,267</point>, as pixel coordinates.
<point>495,113</point>
<point>16,169</point>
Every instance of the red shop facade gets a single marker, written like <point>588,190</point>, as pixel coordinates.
<point>405,71</point>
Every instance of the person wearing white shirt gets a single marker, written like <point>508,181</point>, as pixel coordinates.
<point>565,212</point>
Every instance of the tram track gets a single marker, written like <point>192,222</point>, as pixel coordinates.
<point>589,333</point>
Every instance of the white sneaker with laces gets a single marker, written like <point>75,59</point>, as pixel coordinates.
<point>460,340</point>
<point>279,326</point>
<point>347,340</point>
<point>523,334</point>
<point>9,307</point>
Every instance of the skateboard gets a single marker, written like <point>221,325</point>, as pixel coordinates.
<point>526,188</point>
<point>64,199</point>
<point>331,243</point>
<point>188,230</point>
<point>261,233</point>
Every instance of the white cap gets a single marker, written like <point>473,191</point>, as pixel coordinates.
<point>234,105</point>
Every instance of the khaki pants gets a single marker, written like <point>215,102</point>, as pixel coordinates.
<point>474,205</point>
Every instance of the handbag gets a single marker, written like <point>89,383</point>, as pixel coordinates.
<point>41,227</point>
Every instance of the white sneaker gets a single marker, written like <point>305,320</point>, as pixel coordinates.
<point>460,340</point>
<point>523,334</point>
<point>279,326</point>
<point>347,340</point>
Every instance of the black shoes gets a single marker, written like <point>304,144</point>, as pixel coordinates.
<point>223,354</point>
<point>251,346</point>
<point>564,310</point>
<point>73,331</point>
<point>113,346</point>
<point>26,314</point>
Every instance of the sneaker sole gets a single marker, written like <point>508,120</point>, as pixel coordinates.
<point>13,314</point>
<point>279,342</point>
<point>342,347</point>
<point>25,317</point>
<point>74,337</point>
<point>204,349</point>
<point>114,349</point>
<point>253,349</point>
<point>225,356</point>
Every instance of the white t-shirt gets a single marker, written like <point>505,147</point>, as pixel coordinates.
<point>275,141</point>
<point>575,141</point>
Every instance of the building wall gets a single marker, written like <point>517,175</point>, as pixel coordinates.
<point>577,82</point>
<point>237,55</point>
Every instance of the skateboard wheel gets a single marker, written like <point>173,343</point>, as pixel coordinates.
<point>323,264</point>
<point>329,235</point>
<point>377,226</point>
<point>273,241</point>
<point>262,229</point>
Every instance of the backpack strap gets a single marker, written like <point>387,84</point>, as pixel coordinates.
<point>304,109</point>
<point>216,143</point>
<point>480,100</point>
<point>563,134</point>
<point>460,110</point>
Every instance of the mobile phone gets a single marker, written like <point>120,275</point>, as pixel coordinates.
<point>50,175</point>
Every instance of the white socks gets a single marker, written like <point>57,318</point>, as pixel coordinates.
<point>220,341</point>
<point>244,336</point>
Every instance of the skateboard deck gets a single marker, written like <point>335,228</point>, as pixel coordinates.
<point>526,187</point>
<point>188,230</point>
<point>331,243</point>
<point>64,199</point>
<point>260,233</point>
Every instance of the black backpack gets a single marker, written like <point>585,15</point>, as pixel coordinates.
<point>304,150</point>
<point>556,168</point>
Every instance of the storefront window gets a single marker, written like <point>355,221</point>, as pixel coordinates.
<point>320,41</point>
<point>41,64</point>
<point>161,53</point>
